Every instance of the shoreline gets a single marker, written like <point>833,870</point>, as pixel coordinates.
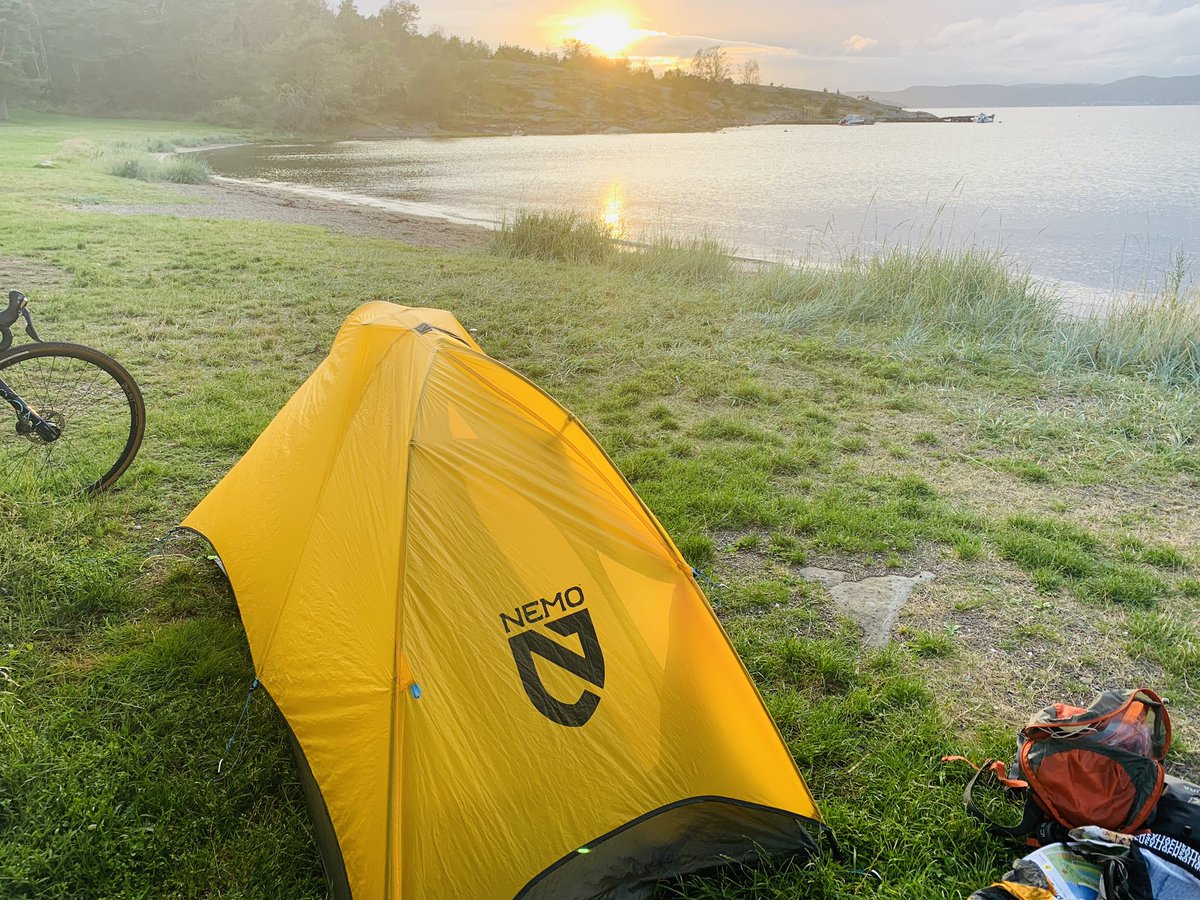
<point>231,198</point>
<point>423,225</point>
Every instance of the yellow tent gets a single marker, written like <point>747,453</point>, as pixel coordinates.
<point>501,675</point>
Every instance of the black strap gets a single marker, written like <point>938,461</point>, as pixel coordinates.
<point>1031,816</point>
<point>425,328</point>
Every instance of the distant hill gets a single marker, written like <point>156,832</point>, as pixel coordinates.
<point>502,96</point>
<point>1141,90</point>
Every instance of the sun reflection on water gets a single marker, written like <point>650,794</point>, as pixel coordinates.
<point>612,211</point>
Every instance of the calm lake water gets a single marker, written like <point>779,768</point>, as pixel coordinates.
<point>1095,197</point>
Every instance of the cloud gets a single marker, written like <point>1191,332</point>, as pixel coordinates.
<point>858,43</point>
<point>1063,41</point>
<point>661,50</point>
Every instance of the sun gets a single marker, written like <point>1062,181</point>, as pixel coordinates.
<point>608,32</point>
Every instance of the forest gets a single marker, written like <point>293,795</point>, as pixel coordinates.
<point>300,66</point>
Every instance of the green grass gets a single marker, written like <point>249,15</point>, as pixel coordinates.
<point>1153,334</point>
<point>1027,470</point>
<point>1173,644</point>
<point>1058,553</point>
<point>749,409</point>
<point>702,261</point>
<point>149,167</point>
<point>565,236</point>
<point>925,643</point>
<point>931,291</point>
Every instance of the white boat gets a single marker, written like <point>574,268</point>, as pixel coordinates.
<point>984,118</point>
<point>855,119</point>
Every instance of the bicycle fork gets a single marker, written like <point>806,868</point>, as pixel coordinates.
<point>29,423</point>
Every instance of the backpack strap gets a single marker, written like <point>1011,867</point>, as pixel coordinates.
<point>1031,816</point>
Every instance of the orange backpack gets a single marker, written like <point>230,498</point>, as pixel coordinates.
<point>1096,766</point>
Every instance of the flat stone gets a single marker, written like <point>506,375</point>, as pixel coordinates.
<point>874,603</point>
<point>828,577</point>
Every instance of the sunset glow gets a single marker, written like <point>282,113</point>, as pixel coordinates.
<point>608,32</point>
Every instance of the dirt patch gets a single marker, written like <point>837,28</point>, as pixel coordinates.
<point>29,276</point>
<point>1017,650</point>
<point>874,603</point>
<point>239,200</point>
<point>1013,649</point>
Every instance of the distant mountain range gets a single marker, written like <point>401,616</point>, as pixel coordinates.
<point>1141,90</point>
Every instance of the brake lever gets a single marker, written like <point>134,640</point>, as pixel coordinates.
<point>29,329</point>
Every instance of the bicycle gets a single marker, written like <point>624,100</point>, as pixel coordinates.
<point>79,416</point>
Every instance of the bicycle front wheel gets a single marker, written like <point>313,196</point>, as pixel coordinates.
<point>97,411</point>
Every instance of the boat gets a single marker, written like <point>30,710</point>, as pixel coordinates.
<point>855,119</point>
<point>984,118</point>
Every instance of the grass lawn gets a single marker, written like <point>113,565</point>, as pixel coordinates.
<point>771,420</point>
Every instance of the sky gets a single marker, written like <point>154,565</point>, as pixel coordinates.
<point>860,45</point>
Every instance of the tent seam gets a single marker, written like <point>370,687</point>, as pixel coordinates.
<point>401,570</point>
<point>334,457</point>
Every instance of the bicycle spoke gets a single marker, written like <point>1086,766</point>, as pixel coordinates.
<point>88,404</point>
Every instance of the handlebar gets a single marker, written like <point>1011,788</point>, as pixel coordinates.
<point>16,302</point>
<point>18,307</point>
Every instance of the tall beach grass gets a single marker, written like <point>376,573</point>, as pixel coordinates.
<point>152,167</point>
<point>148,159</point>
<point>570,236</point>
<point>924,293</point>
<point>1155,335</point>
<point>969,292</point>
<point>699,261</point>
<point>558,236</point>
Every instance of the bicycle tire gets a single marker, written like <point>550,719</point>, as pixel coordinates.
<point>45,393</point>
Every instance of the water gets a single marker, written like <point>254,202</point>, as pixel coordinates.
<point>1093,197</point>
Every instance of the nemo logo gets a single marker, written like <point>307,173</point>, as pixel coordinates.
<point>588,666</point>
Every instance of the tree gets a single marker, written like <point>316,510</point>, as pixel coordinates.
<point>350,24</point>
<point>398,20</point>
<point>379,76</point>
<point>17,51</point>
<point>711,64</point>
<point>433,91</point>
<point>312,79</point>
<point>575,50</point>
<point>748,72</point>
<point>515,54</point>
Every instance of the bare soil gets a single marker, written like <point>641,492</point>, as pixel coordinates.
<point>28,276</point>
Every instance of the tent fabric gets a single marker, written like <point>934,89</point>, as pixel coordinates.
<point>492,656</point>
